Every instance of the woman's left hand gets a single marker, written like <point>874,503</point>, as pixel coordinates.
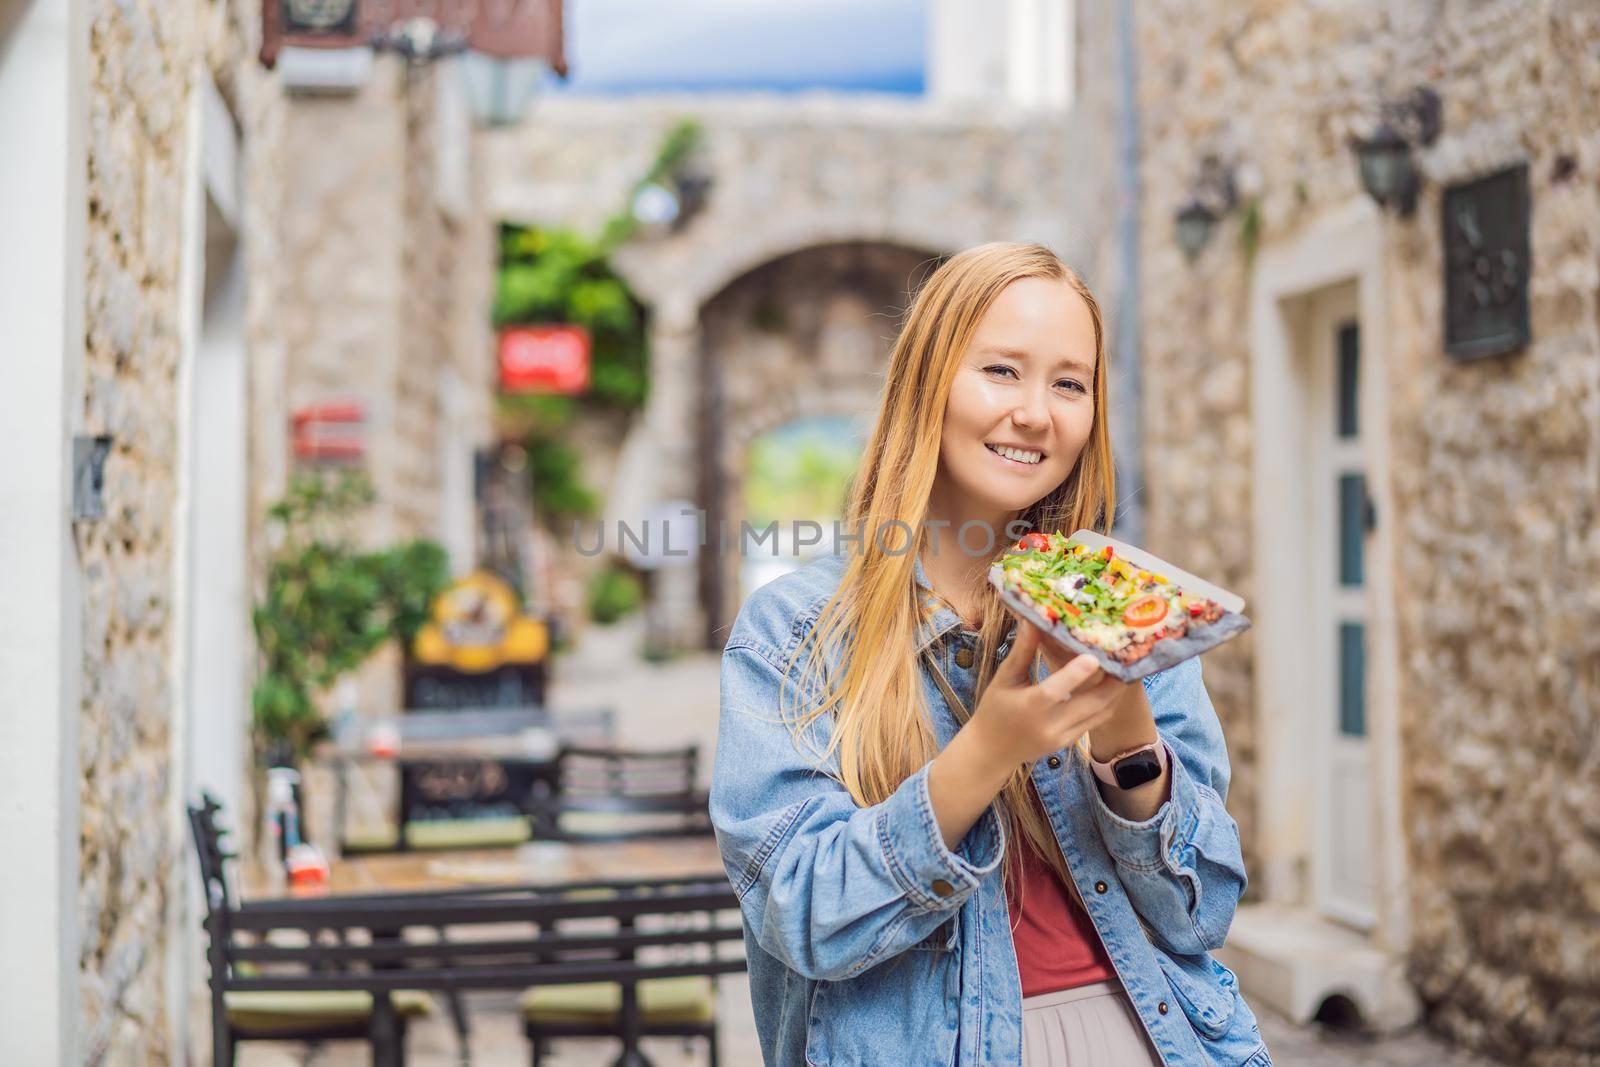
<point>1131,724</point>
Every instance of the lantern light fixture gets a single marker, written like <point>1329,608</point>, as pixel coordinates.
<point>1212,195</point>
<point>1193,228</point>
<point>419,40</point>
<point>500,90</point>
<point>665,207</point>
<point>1385,158</point>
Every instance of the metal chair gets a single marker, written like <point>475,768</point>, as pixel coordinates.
<point>619,794</point>
<point>310,1016</point>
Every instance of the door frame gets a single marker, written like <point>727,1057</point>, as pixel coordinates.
<point>1344,245</point>
<point>211,336</point>
<point>1324,311</point>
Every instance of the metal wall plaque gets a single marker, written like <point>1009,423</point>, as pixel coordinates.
<point>1486,265</point>
<point>89,476</point>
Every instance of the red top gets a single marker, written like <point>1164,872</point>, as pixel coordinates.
<point>1057,946</point>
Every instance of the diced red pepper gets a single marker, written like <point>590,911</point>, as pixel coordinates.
<point>1107,552</point>
<point>1051,613</point>
<point>1036,540</point>
<point>1197,607</point>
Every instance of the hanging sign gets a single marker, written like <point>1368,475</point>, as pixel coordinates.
<point>331,432</point>
<point>551,358</point>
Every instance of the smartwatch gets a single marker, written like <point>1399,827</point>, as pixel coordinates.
<point>1132,768</point>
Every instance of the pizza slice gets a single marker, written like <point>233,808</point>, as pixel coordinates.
<point>1108,603</point>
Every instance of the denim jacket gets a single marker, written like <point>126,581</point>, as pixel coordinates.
<point>870,942</point>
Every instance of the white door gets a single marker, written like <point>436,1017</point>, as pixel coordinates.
<point>1344,863</point>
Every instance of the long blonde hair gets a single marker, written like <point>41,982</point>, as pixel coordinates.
<point>866,635</point>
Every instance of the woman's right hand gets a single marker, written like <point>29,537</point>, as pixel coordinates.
<point>1016,722</point>
<point>1021,721</point>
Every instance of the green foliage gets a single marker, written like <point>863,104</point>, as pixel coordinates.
<point>550,411</point>
<point>681,140</point>
<point>328,605</point>
<point>560,494</point>
<point>797,476</point>
<point>561,276</point>
<point>613,593</point>
<point>1250,229</point>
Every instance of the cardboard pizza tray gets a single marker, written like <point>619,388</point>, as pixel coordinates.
<point>1166,652</point>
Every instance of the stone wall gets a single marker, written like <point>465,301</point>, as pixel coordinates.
<point>362,278</point>
<point>1494,463</point>
<point>343,231</point>
<point>145,62</point>
<point>392,280</point>
<point>387,301</point>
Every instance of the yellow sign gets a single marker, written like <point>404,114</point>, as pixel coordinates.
<point>477,625</point>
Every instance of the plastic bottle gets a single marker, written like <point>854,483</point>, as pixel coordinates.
<point>282,814</point>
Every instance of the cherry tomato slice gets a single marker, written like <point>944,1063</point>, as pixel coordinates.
<point>1036,541</point>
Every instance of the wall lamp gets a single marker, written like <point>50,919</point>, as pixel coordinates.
<point>1211,195</point>
<point>1388,169</point>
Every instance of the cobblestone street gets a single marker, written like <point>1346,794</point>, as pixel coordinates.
<point>675,703</point>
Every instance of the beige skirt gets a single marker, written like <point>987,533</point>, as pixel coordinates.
<point>1090,1026</point>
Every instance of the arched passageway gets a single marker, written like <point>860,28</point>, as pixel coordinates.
<point>803,338</point>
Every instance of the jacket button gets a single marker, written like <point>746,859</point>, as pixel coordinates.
<point>1100,887</point>
<point>942,887</point>
<point>964,658</point>
<point>1162,1007</point>
<point>1053,762</point>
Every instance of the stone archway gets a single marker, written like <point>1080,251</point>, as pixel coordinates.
<point>792,176</point>
<point>802,335</point>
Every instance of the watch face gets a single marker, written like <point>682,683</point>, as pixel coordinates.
<point>1137,769</point>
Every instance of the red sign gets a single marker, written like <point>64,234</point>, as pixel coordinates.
<point>544,359</point>
<point>330,431</point>
<point>505,29</point>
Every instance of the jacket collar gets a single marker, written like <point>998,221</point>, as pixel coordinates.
<point>939,619</point>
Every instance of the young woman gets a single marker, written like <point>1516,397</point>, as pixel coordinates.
<point>913,799</point>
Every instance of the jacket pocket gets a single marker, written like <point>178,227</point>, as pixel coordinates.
<point>1206,991</point>
<point>904,1010</point>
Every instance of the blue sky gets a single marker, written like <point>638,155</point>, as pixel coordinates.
<point>618,46</point>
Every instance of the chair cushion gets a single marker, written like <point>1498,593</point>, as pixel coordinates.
<point>621,824</point>
<point>289,1010</point>
<point>466,833</point>
<point>662,1001</point>
<point>370,839</point>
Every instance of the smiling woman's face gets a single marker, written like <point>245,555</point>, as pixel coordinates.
<point>1022,403</point>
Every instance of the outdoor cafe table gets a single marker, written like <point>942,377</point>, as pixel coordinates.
<point>532,864</point>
